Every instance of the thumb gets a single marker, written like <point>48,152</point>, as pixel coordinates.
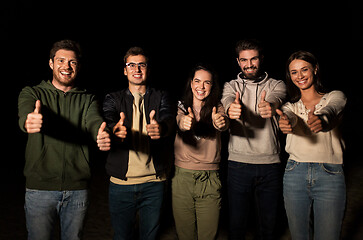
<point>214,110</point>
<point>37,106</point>
<point>122,118</point>
<point>152,116</point>
<point>263,96</point>
<point>237,100</point>
<point>191,114</point>
<point>102,128</point>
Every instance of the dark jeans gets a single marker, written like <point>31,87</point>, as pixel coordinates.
<point>263,184</point>
<point>126,200</point>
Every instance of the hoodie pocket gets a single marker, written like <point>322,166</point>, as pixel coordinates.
<point>49,165</point>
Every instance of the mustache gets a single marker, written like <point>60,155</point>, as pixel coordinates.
<point>247,68</point>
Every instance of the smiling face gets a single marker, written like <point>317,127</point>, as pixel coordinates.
<point>249,62</point>
<point>136,70</point>
<point>65,68</point>
<point>302,74</point>
<point>201,85</point>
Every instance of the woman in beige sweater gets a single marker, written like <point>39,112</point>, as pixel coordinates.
<point>196,185</point>
<point>314,177</point>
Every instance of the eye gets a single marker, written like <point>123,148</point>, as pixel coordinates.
<point>142,65</point>
<point>75,63</point>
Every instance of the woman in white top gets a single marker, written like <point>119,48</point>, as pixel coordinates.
<point>314,177</point>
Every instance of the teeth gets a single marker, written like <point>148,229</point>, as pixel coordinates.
<point>65,73</point>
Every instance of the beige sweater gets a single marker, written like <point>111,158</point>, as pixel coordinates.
<point>324,147</point>
<point>198,153</point>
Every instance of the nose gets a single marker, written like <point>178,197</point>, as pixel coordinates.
<point>249,63</point>
<point>300,75</point>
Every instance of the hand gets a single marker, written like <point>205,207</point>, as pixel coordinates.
<point>188,120</point>
<point>103,138</point>
<point>34,120</point>
<point>314,122</point>
<point>218,119</point>
<point>119,129</point>
<point>264,107</point>
<point>284,122</point>
<point>153,129</point>
<point>235,110</point>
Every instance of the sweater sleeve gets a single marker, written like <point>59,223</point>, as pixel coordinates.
<point>288,109</point>
<point>332,113</point>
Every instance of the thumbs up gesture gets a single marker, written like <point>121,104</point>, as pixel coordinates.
<point>218,120</point>
<point>187,120</point>
<point>119,129</point>
<point>264,107</point>
<point>153,129</point>
<point>34,120</point>
<point>284,122</point>
<point>103,138</point>
<point>235,109</point>
<point>314,122</point>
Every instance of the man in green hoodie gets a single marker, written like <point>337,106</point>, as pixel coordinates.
<point>61,121</point>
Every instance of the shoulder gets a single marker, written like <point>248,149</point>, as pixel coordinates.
<point>335,94</point>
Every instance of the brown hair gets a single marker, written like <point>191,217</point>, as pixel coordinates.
<point>67,45</point>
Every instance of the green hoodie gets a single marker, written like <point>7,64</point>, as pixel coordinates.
<point>57,158</point>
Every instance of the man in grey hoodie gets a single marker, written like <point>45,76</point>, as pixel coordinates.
<point>254,169</point>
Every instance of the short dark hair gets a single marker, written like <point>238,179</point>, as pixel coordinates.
<point>134,51</point>
<point>294,91</point>
<point>249,44</point>
<point>67,45</point>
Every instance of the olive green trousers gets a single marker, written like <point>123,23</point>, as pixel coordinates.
<point>196,201</point>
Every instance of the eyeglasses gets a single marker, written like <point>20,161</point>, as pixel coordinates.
<point>132,65</point>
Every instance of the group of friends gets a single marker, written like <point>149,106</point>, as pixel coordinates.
<point>146,135</point>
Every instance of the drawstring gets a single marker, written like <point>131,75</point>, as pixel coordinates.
<point>201,176</point>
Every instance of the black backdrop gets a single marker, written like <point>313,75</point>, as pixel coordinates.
<point>177,35</point>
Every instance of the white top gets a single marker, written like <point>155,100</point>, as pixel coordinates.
<point>324,147</point>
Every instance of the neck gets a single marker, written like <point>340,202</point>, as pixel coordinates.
<point>64,88</point>
<point>137,88</point>
<point>309,94</point>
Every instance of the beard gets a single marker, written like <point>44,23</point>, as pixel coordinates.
<point>254,74</point>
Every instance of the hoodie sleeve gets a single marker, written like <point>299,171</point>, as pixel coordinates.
<point>228,95</point>
<point>93,118</point>
<point>277,94</point>
<point>26,105</point>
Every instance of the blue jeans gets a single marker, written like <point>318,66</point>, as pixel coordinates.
<point>319,187</point>
<point>263,184</point>
<point>43,208</point>
<point>126,200</point>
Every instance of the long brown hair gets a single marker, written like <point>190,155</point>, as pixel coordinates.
<point>204,127</point>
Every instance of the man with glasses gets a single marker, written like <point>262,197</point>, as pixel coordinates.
<point>142,121</point>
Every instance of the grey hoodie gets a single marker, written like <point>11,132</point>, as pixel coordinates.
<point>253,139</point>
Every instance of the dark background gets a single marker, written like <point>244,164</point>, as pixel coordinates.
<point>177,35</point>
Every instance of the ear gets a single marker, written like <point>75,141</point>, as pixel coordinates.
<point>51,64</point>
<point>315,70</point>
<point>237,61</point>
<point>125,71</point>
